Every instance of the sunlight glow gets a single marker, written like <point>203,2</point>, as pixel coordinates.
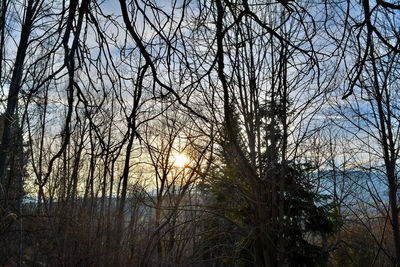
<point>180,160</point>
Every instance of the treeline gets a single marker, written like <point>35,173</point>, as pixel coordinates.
<point>199,133</point>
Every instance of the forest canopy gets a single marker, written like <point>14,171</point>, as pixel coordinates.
<point>199,133</point>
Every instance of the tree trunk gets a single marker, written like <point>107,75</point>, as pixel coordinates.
<point>15,86</point>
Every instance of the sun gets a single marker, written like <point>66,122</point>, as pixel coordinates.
<point>180,160</point>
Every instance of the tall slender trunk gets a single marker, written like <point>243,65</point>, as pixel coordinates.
<point>121,209</point>
<point>13,93</point>
<point>386,139</point>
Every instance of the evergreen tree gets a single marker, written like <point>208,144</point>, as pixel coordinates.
<point>306,213</point>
